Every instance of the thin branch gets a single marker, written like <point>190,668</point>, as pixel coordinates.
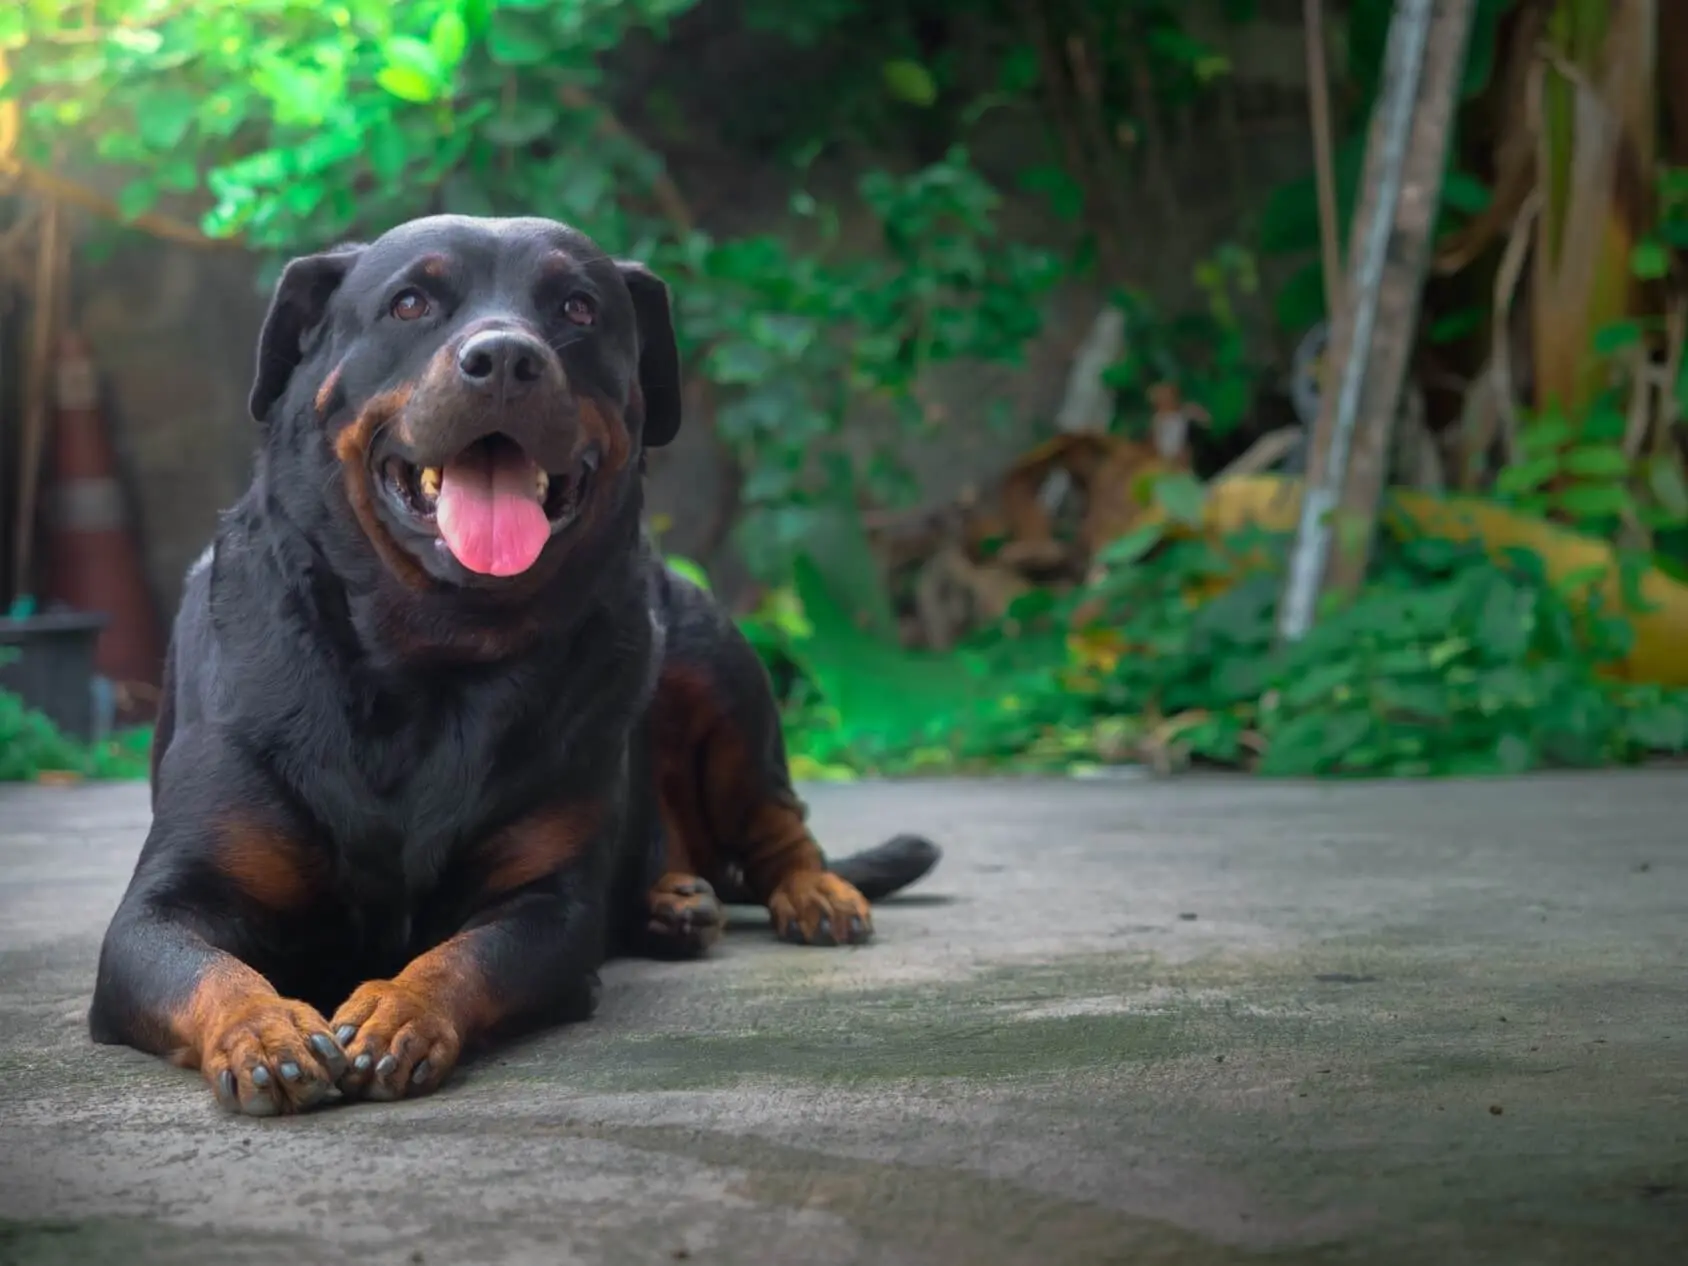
<point>1324,160</point>
<point>52,186</point>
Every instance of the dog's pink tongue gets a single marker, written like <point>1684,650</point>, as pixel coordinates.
<point>488,510</point>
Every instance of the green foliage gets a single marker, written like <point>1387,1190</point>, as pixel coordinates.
<point>1204,354</point>
<point>1580,474</point>
<point>311,121</point>
<point>1448,663</point>
<point>799,340</point>
<point>31,745</point>
<point>302,122</point>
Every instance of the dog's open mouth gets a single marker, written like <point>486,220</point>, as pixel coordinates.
<point>492,505</point>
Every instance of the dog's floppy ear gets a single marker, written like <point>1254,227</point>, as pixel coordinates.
<point>301,300</point>
<point>659,355</point>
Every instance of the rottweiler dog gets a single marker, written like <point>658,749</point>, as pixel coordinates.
<point>439,731</point>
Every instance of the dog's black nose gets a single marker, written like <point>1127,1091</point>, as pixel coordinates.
<point>504,363</point>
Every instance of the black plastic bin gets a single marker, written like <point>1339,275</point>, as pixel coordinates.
<point>48,660</point>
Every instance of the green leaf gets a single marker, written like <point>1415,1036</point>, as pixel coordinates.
<point>1229,402</point>
<point>880,690</point>
<point>1659,727</point>
<point>1289,221</point>
<point>1506,619</point>
<point>1547,434</point>
<point>1300,304</point>
<point>180,176</point>
<point>909,81</point>
<point>222,113</point>
<point>1465,193</point>
<point>1527,475</point>
<point>1458,324</point>
<point>1607,419</point>
<point>1650,260</point>
<point>407,83</point>
<point>1182,497</point>
<point>1579,580</point>
<point>303,196</point>
<point>1425,700</point>
<point>688,570</point>
<point>1128,549</point>
<point>137,198</point>
<point>163,118</point>
<point>1596,501</point>
<point>1597,461</point>
<point>448,39</point>
<point>1617,336</point>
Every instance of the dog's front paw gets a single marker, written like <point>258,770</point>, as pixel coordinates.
<point>685,917</point>
<point>814,907</point>
<point>265,1056</point>
<point>399,1042</point>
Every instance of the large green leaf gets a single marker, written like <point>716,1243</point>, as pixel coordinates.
<point>884,694</point>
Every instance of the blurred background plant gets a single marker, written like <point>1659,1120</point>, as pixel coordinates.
<point>1081,608</point>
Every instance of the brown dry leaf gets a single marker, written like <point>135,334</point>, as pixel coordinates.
<point>1160,747</point>
<point>1114,505</point>
<point>1077,454</point>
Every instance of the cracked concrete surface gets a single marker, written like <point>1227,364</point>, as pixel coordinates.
<point>1190,1023</point>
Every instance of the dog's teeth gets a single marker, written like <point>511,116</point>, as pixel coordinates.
<point>542,482</point>
<point>429,483</point>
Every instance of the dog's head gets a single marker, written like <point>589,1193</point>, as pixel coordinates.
<point>485,387</point>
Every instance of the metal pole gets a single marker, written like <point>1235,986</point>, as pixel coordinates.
<point>1409,35</point>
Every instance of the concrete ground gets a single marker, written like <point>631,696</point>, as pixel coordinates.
<point>1181,1023</point>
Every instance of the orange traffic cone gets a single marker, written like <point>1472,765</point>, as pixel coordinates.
<point>93,562</point>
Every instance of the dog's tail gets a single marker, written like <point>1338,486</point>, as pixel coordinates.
<point>890,867</point>
<point>876,872</point>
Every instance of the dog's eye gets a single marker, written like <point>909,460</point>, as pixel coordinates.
<point>580,309</point>
<point>409,305</point>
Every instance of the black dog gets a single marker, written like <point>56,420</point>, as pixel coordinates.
<point>439,731</point>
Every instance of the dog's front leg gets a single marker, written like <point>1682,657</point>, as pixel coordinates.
<point>212,895</point>
<point>530,955</point>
